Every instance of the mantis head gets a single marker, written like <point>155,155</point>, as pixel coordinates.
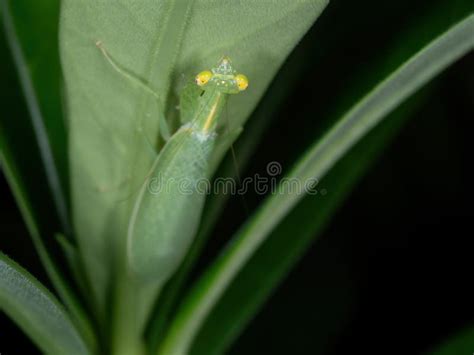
<point>222,78</point>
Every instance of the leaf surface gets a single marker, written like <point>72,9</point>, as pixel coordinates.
<point>37,311</point>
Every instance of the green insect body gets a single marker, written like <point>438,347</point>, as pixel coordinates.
<point>168,208</point>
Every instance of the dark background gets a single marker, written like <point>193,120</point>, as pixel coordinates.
<point>392,273</point>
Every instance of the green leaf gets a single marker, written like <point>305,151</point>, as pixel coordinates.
<point>37,311</point>
<point>315,164</point>
<point>74,261</point>
<point>32,40</point>
<point>53,271</point>
<point>460,343</point>
<point>159,42</point>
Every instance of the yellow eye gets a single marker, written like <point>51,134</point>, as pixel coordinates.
<point>203,77</point>
<point>242,82</point>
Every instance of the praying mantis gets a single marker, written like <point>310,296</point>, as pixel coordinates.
<point>163,222</point>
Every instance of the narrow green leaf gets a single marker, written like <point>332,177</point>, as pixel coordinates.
<point>53,271</point>
<point>315,164</point>
<point>37,312</point>
<point>33,44</point>
<point>73,259</point>
<point>460,343</point>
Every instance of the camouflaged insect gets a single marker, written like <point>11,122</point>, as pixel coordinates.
<point>168,209</point>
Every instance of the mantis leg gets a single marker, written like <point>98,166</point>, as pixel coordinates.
<point>163,124</point>
<point>223,144</point>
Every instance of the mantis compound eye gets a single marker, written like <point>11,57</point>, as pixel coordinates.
<point>203,77</point>
<point>242,82</point>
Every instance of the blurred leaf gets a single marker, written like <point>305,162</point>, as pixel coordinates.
<point>159,42</point>
<point>36,311</point>
<point>315,164</point>
<point>54,272</point>
<point>74,261</point>
<point>33,44</point>
<point>20,153</point>
<point>460,343</point>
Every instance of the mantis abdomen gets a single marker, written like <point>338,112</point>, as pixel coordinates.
<point>167,212</point>
<point>168,209</point>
